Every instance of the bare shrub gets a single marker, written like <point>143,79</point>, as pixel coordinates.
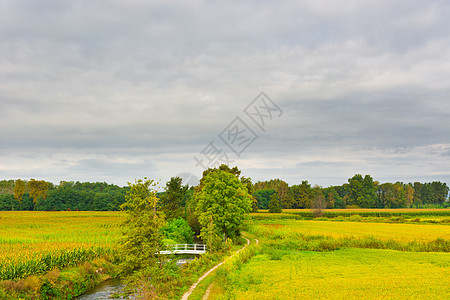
<point>318,206</point>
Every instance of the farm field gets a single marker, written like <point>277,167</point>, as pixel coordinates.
<point>406,214</point>
<point>385,231</point>
<point>36,242</point>
<point>343,274</point>
<point>309,259</point>
<point>374,210</point>
<point>296,259</point>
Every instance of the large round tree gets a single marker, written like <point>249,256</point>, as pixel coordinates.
<point>222,203</point>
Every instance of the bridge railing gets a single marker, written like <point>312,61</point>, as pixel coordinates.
<point>189,247</point>
<point>185,249</point>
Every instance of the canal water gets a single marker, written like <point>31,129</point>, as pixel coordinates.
<point>104,291</point>
<point>111,288</point>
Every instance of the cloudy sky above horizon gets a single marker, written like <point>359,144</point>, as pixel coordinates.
<point>117,90</point>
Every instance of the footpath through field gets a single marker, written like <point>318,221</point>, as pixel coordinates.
<point>192,288</point>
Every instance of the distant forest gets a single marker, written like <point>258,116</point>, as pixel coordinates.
<point>359,192</point>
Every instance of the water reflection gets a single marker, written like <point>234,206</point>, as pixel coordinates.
<point>114,287</point>
<point>104,291</point>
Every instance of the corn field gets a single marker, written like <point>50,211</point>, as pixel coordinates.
<point>37,242</point>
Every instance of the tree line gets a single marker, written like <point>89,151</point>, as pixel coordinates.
<point>68,195</point>
<point>360,191</point>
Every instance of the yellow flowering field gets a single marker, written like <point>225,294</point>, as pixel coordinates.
<point>384,231</point>
<point>374,210</point>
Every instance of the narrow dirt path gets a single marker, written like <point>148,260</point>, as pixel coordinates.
<point>206,295</point>
<point>192,288</point>
<point>208,290</point>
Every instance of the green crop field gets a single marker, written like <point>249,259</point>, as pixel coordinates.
<point>343,274</point>
<point>309,259</point>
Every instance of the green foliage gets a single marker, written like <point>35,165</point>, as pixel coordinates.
<point>142,240</point>
<point>7,202</point>
<point>274,204</point>
<point>65,196</point>
<point>211,236</point>
<point>282,188</point>
<point>54,259</point>
<point>60,284</point>
<point>37,189</point>
<point>178,201</point>
<point>222,203</point>
<point>172,200</point>
<point>430,193</point>
<point>247,182</point>
<point>6,186</point>
<point>179,231</point>
<point>362,191</point>
<point>19,189</point>
<point>263,197</point>
<point>303,195</point>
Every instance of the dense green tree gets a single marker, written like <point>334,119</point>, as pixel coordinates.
<point>7,202</point>
<point>417,198</point>
<point>409,195</point>
<point>440,192</point>
<point>332,197</point>
<point>361,191</point>
<point>369,191</point>
<point>247,182</point>
<point>37,189</point>
<point>275,203</point>
<point>223,201</point>
<point>355,188</point>
<point>143,237</point>
<point>172,199</point>
<point>179,231</point>
<point>191,210</point>
<point>282,188</point>
<point>285,195</point>
<point>7,186</point>
<point>263,197</point>
<point>234,171</point>
<point>303,195</point>
<point>19,189</point>
<point>270,184</point>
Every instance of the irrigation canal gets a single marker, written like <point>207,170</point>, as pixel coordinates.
<point>112,287</point>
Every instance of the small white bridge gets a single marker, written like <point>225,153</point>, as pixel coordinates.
<point>186,249</point>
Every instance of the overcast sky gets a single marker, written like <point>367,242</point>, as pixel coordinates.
<point>118,90</point>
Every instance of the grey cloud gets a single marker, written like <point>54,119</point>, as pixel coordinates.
<point>136,78</point>
<point>103,167</point>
